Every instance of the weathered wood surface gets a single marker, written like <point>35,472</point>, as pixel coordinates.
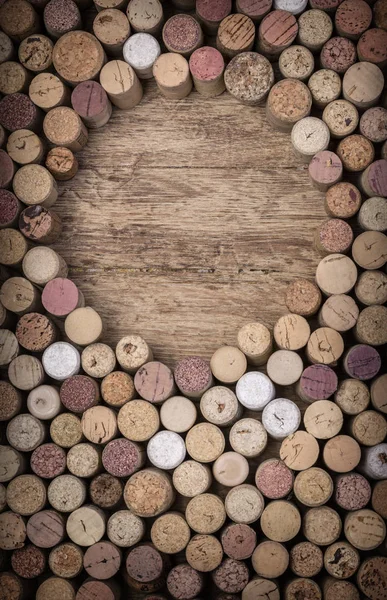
<point>188,219</point>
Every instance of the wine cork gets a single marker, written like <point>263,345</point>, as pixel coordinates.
<point>281,418</point>
<point>207,67</point>
<point>61,16</point>
<point>374,179</point>
<point>274,479</point>
<point>8,169</point>
<point>149,493</point>
<point>270,559</point>
<point>204,553</point>
<point>341,454</point>
<point>170,533</point>
<point>48,91</point>
<point>26,372</point>
<point>248,77</point>
<point>371,577</point>
<point>291,332</point>
<point>12,401</point>
<point>336,274</point>
<point>61,296</point>
<point>28,562</point>
<point>166,450</point>
<point>66,493</point>
<point>124,528</point>
<point>314,29</point>
<point>244,504</point>
<point>352,18</point>
<point>154,381</point>
<point>236,34</point>
<point>26,495</point>
<point>145,563</point>
<point>13,247</point>
<point>57,588</point>
<point>339,312</point>
<point>12,531</point>
<point>87,57</point>
<point>238,541</point>
<point>362,362</point>
<point>261,588</point>
<point>182,34</point>
<point>306,559</point>
<point>255,341</point>
<point>323,419</point>
<point>35,53</point>
<point>99,589</point>
<point>277,31</point>
<point>363,84</point>
<point>364,529</point>
<point>35,332</point>
<point>9,347</point>
<point>98,360</point>
<point>121,84</point>
<point>86,525</point>
<point>299,451</point>
<point>84,460</point>
<point>34,185</point>
<point>313,487</point>
<point>325,170</point>
<point>379,498</point>
<point>289,101</point>
<point>25,147</point>
<point>106,491</point>
<point>78,393</point>
<point>61,163</point>
<point>63,127</point>
<point>7,51</point>
<point>99,424</point>
<point>342,200</point>
<point>141,51</point>
<point>184,581</point>
<point>318,382</point>
<point>255,9</point>
<point>373,214</point>
<point>373,123</point>
<point>61,360</point>
<point>46,529</point>
<point>380,14</point>
<point>83,326</point>
<point>117,388</point>
<point>231,469</point>
<point>19,296</point>
<point>325,87</point>
<point>372,45</point>
<point>133,352</point>
<point>102,560</point>
<point>12,463</point>
<point>341,117</point>
<point>145,16</point>
<point>205,513</point>
<point>231,576</point>
<point>303,586</point>
<point>138,420</point>
<point>193,376</point>
<point>369,250</point>
<point>356,153</point>
<point>322,525</point>
<point>373,463</point>
<point>369,428</point>
<point>17,111</point>
<point>65,430</point>
<point>303,297</point>
<point>10,208</point>
<point>352,492</point>
<point>338,54</point>
<point>18,19</point>
<point>296,62</point>
<point>178,414</point>
<point>341,560</point>
<point>14,78</point>
<point>295,7</point>
<point>219,406</point>
<point>371,326</point>
<point>48,461</point>
<point>192,478</point>
<point>39,224</point>
<point>309,136</point>
<point>280,521</point>
<point>171,72</point>
<point>205,442</point>
<point>210,14</point>
<point>111,27</point>
<point>248,437</point>
<point>90,101</point>
<point>378,393</point>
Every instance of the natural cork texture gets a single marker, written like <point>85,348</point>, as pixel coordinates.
<point>248,437</point>
<point>303,297</point>
<point>48,461</point>
<point>338,54</point>
<point>325,87</point>
<point>352,18</point>
<point>239,541</point>
<point>145,16</point>
<point>374,179</point>
<point>28,562</point>
<point>86,525</point>
<point>302,588</point>
<point>148,493</point>
<point>342,454</point>
<point>289,101</point>
<point>83,326</point>
<point>306,559</point>
<point>236,34</point>
<point>133,352</point>
<point>291,332</point>
<point>378,394</point>
<point>98,360</point>
<point>255,9</point>
<point>63,127</point>
<point>231,576</point>
<point>87,57</point>
<point>18,112</point>
<point>280,521</point>
<point>204,553</point>
<point>124,528</point>
<point>205,442</point>
<point>205,513</point>
<point>371,577</point>
<point>106,490</point>
<point>191,478</point>
<point>117,388</point>
<point>40,225</point>
<point>25,432</point>
<point>364,529</point>
<point>249,77</point>
<point>12,463</point>
<point>341,560</point>
<point>25,147</point>
<point>61,163</point>
<point>373,214</point>
<point>66,430</point>
<point>78,393</point>
<point>342,200</point>
<point>144,563</point>
<point>55,587</point>
<point>323,419</point>
<point>99,424</point>
<point>178,414</point>
<point>369,250</point>
<point>322,525</point>
<point>219,406</point>
<point>83,460</point>
<point>170,533</point>
<point>356,153</point>
<point>210,13</point>
<point>154,382</point>
<point>46,529</point>
<point>11,401</point>
<point>313,487</point>
<point>339,312</point>
<point>270,559</point>
<point>255,341</point>
<point>373,123</point>
<point>277,31</point>
<point>18,19</point>
<point>184,582</point>
<point>42,264</point>
<point>315,28</point>
<point>111,27</point>
<point>353,491</point>
<point>299,451</point>
<point>342,118</point>
<point>369,428</point>
<point>66,493</point>
<point>336,274</point>
<point>296,62</point>
<point>35,53</point>
<point>379,498</point>
<point>47,91</point>
<point>12,531</point>
<point>363,84</point>
<point>26,495</point>
<point>35,332</point>
<point>309,136</point>
<point>33,185</point>
<point>102,560</point>
<point>138,420</point>
<point>171,72</point>
<point>339,590</point>
<point>13,247</point>
<point>19,296</point>
<point>371,326</point>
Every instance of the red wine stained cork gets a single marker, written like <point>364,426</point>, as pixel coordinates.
<point>379,498</point>
<point>145,563</point>
<point>255,9</point>
<point>86,525</point>
<point>207,66</point>
<point>35,53</point>
<point>277,31</point>
<point>46,529</point>
<point>205,513</point>
<point>65,430</point>
<point>249,77</point>
<point>10,208</point>
<point>364,529</point>
<point>306,559</point>
<point>369,428</point>
<point>149,493</point>
<point>122,457</point>
<point>87,57</point>
<point>63,127</point>
<point>296,62</point>
<point>13,247</point>
<point>178,414</point>
<point>204,553</point>
<point>325,346</point>
<point>193,376</point>
<point>342,200</point>
<point>170,533</point>
<point>102,560</point>
<point>338,54</point>
<point>238,541</point>
<point>373,214</point>
<point>145,15</point>
<point>18,19</point>
<point>111,27</point>
<point>66,560</point>
<point>184,582</point>
<point>12,463</point>
<point>325,87</point>
<point>352,491</point>
<point>7,51</point>
<point>231,576</point>
<point>48,461</point>
<point>369,250</point>
<point>7,170</point>
<point>12,401</point>
<point>371,327</point>
<point>35,332</point>
<point>325,170</point>
<point>363,84</point>
<point>339,312</point>
<point>26,494</point>
<point>248,437</point>
<point>309,136</point>
<point>28,562</point>
<point>274,479</point>
<point>236,34</point>
<point>138,420</point>
<point>372,46</point>
<point>104,590</point>
<point>336,274</point>
<point>17,111</point>
<point>3,499</point>
<point>291,332</point>
<point>322,525</point>
<point>25,432</point>
<point>379,393</point>
<point>12,531</point>
<point>90,101</point>
<point>314,29</point>
<point>40,225</point>
<point>66,493</point>
<point>19,296</point>
<point>78,393</point>
<point>84,460</point>
<point>270,559</point>
<point>34,185</point>
<point>191,478</point>
<point>323,419</point>
<point>352,18</point>
<point>48,91</point>
<point>55,587</point>
<point>154,382</point>
<point>61,296</point>
<point>98,360</point>
<point>25,147</point>
<point>60,17</point>
<point>341,454</point>
<point>26,372</point>
<point>210,13</point>
<point>303,297</point>
<point>106,491</point>
<point>124,528</point>
<point>289,101</point>
<point>182,34</point>
<point>255,341</point>
<point>362,362</point>
<point>99,424</point>
<point>374,179</point>
<point>14,78</point>
<point>280,521</point>
<point>83,326</point>
<point>121,84</point>
<point>299,451</point>
<point>172,75</point>
<point>341,560</point>
<point>356,152</point>
<point>371,577</point>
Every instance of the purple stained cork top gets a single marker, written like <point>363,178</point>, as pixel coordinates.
<point>255,8</point>
<point>89,99</point>
<point>121,457</point>
<point>231,576</point>
<point>154,382</point>
<point>377,177</point>
<point>279,28</point>
<point>239,541</point>
<point>318,382</point>
<point>362,362</point>
<point>184,582</point>
<point>46,528</point>
<point>325,167</point>
<point>213,10</point>
<point>61,15</point>
<point>338,54</point>
<point>78,393</point>
<point>206,63</point>
<point>144,563</point>
<point>274,479</point>
<point>17,111</point>
<point>192,374</point>
<point>60,296</point>
<point>7,169</point>
<point>9,206</point>
<point>353,491</point>
<point>181,32</point>
<point>48,461</point>
<point>102,560</point>
<point>28,562</point>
